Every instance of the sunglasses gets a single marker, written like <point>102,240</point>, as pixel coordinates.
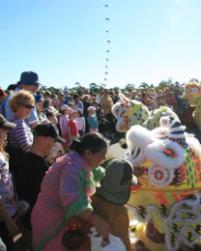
<point>27,106</point>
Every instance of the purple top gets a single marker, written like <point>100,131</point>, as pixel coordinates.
<point>65,191</point>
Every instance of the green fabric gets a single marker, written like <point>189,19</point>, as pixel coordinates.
<point>86,181</point>
<point>77,208</point>
<point>99,173</point>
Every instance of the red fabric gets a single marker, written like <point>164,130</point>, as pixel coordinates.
<point>72,131</point>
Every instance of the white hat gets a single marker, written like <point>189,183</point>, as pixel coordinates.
<point>64,107</point>
<point>91,108</point>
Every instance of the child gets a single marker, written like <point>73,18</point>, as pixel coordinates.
<point>111,197</point>
<point>72,131</point>
<point>92,119</point>
<point>63,120</point>
<point>52,118</point>
<point>81,125</point>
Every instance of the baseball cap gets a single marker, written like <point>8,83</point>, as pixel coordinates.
<point>116,185</point>
<point>48,130</point>
<point>5,124</point>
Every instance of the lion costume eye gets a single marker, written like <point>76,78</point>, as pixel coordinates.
<point>160,176</point>
<point>135,153</point>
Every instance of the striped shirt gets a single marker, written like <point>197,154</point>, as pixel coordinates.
<point>21,136</point>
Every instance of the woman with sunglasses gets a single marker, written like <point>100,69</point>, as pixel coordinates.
<point>21,137</point>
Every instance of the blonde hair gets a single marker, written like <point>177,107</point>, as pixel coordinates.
<point>21,98</point>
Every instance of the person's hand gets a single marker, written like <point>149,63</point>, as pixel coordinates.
<point>12,227</point>
<point>102,227</point>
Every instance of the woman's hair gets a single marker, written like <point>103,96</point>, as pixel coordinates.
<point>21,98</point>
<point>47,103</point>
<point>62,112</point>
<point>48,113</point>
<point>94,142</point>
<point>79,112</point>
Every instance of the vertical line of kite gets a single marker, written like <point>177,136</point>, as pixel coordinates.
<point>107,40</point>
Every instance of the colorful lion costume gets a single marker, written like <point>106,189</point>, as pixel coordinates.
<point>192,93</point>
<point>131,112</point>
<point>167,199</point>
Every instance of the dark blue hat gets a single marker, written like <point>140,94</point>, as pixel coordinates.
<point>29,78</point>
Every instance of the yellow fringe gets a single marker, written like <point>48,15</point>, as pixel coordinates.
<point>140,234</point>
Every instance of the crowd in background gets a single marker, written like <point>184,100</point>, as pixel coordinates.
<point>42,125</point>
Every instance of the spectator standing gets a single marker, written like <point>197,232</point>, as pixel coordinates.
<point>60,98</point>
<point>29,82</point>
<point>72,132</point>
<point>78,103</point>
<point>8,227</point>
<point>92,119</point>
<point>86,102</point>
<point>39,107</point>
<point>67,97</point>
<point>33,166</point>
<point>63,120</point>
<point>106,102</point>
<point>21,137</point>
<point>51,116</point>
<point>115,96</point>
<point>49,106</point>
<point>81,123</point>
<point>104,126</point>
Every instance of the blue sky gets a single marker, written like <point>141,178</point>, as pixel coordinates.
<point>65,41</point>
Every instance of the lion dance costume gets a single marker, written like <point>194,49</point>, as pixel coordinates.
<point>167,199</point>
<point>167,163</point>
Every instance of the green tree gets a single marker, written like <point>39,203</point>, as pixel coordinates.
<point>129,86</point>
<point>144,85</point>
<point>165,84</point>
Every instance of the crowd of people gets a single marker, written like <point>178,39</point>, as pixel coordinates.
<point>50,147</point>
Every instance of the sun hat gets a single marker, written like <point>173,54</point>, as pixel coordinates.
<point>91,108</point>
<point>5,124</point>
<point>48,130</point>
<point>64,107</point>
<point>116,185</point>
<point>29,78</point>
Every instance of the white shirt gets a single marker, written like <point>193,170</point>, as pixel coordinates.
<point>80,123</point>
